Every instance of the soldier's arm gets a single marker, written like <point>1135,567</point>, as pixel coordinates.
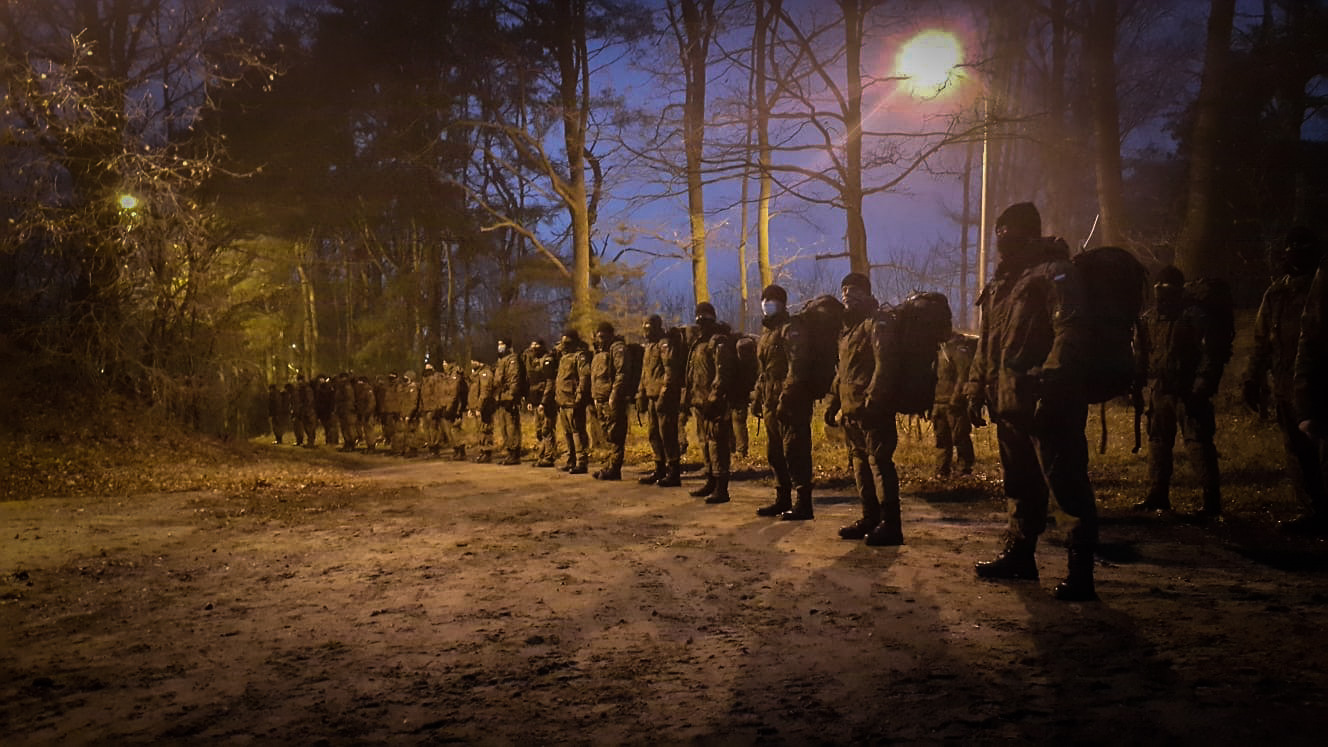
<point>618,355</point>
<point>583,376</point>
<point>797,347</point>
<point>1261,357</point>
<point>726,367</point>
<point>1065,364</point>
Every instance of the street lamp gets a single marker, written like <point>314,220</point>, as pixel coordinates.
<point>127,201</point>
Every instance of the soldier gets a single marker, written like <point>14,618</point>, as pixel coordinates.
<point>481,405</point>
<point>307,414</point>
<point>572,394</point>
<point>364,412</point>
<point>389,401</point>
<point>382,388</point>
<point>1310,382</point>
<point>711,367</point>
<point>431,404</point>
<point>868,430</point>
<point>657,398</point>
<point>608,392</point>
<point>344,391</point>
<point>455,395</point>
<point>278,412</point>
<point>949,413</point>
<point>408,394</point>
<point>1276,336</point>
<point>541,366</point>
<point>325,401</point>
<point>784,399</point>
<point>509,384</point>
<point>1029,371</point>
<point>1175,354</point>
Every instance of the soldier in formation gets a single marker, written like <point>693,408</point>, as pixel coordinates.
<point>784,400</point>
<point>608,393</point>
<point>711,368</point>
<point>541,366</point>
<point>659,400</point>
<point>509,386</point>
<point>572,395</point>
<point>949,414</point>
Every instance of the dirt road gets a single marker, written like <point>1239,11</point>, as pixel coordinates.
<point>436,602</point>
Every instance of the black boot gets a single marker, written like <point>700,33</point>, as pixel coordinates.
<point>721,494</point>
<point>672,479</point>
<point>802,509</point>
<point>1078,585</point>
<point>886,534</point>
<point>513,457</point>
<point>706,489</point>
<point>655,476</point>
<point>609,473</point>
<point>580,469</point>
<point>783,502</point>
<point>1153,502</point>
<point>858,529</point>
<point>1016,561</point>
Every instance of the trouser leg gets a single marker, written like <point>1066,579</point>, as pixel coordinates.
<point>1025,487</point>
<point>1200,427</point>
<point>1161,441</point>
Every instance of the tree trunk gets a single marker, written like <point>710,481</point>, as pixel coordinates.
<point>1196,254</point>
<point>855,228</point>
<point>694,48</point>
<point>766,13</point>
<point>574,98</point>
<point>1106,122</point>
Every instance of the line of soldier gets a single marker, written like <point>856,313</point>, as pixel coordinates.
<point>1025,370</point>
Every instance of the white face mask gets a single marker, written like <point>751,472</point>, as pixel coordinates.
<point>770,308</point>
<point>502,349</point>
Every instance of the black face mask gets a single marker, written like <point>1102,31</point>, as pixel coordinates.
<point>706,323</point>
<point>1168,297</point>
<point>652,333</point>
<point>1299,260</point>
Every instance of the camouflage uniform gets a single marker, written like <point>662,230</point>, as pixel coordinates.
<point>868,430</point>
<point>325,401</point>
<point>383,386</point>
<point>509,385</point>
<point>1181,362</point>
<point>408,394</point>
<point>306,414</point>
<point>455,392</point>
<point>784,399</point>
<point>572,395</point>
<point>608,393</point>
<point>481,405</point>
<point>278,412</point>
<point>344,387</point>
<point>1029,367</point>
<point>541,368</point>
<point>662,368</point>
<point>364,412</point>
<point>949,413</point>
<point>712,365</point>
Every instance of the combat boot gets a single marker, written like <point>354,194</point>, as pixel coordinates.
<point>513,457</point>
<point>671,480</point>
<point>1078,585</point>
<point>1015,562</point>
<point>886,534</point>
<point>544,463</point>
<point>580,469</point>
<point>459,454</point>
<point>802,509</point>
<point>721,494</point>
<point>611,473</point>
<point>484,458</point>
<point>655,476</point>
<point>858,529</point>
<point>1154,502</point>
<point>706,489</point>
<point>783,502</point>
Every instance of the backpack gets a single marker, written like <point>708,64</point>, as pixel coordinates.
<point>908,337</point>
<point>1114,287</point>
<point>1213,297</point>
<point>822,318</point>
<point>633,356</point>
<point>749,368</point>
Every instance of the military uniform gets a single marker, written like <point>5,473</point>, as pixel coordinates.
<point>572,395</point>
<point>541,369</point>
<point>364,412</point>
<point>306,414</point>
<point>344,399</point>
<point>278,412</point>
<point>1179,358</point>
<point>481,405</point>
<point>949,414</point>
<point>431,405</point>
<point>509,383</point>
<point>325,401</point>
<point>454,392</point>
<point>784,399</point>
<point>1029,370</point>
<point>712,365</point>
<point>868,429</point>
<point>608,385</point>
<point>1310,382</point>
<point>662,369</point>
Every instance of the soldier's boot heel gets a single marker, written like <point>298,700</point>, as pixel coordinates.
<point>802,509</point>
<point>1016,562</point>
<point>655,476</point>
<point>671,480</point>
<point>783,502</point>
<point>886,534</point>
<point>721,494</point>
<point>707,489</point>
<point>1078,584</point>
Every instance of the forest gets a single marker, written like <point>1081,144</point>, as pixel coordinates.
<point>215,195</point>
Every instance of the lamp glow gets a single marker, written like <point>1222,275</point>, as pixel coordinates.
<point>929,62</point>
<point>128,202</point>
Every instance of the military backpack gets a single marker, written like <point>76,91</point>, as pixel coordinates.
<point>1114,287</point>
<point>908,337</point>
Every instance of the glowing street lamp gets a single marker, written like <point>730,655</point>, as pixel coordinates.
<point>929,62</point>
<point>127,201</point>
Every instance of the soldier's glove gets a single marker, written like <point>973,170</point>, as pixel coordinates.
<point>1203,388</point>
<point>714,407</point>
<point>832,415</point>
<point>1251,394</point>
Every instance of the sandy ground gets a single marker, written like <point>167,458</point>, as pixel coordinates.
<point>435,602</point>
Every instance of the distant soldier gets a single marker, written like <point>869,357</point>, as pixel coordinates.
<point>1180,358</point>
<point>662,368</point>
<point>509,385</point>
<point>784,399</point>
<point>455,394</point>
<point>410,414</point>
<point>608,392</point>
<point>325,401</point>
<point>1029,370</point>
<point>278,412</point>
<point>1276,337</point>
<point>345,408</point>
<point>389,403</point>
<point>949,413</point>
<point>481,405</point>
<point>572,394</point>
<point>306,412</point>
<point>869,430</point>
<point>711,368</point>
<point>431,402</point>
<point>541,366</point>
<point>364,412</point>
